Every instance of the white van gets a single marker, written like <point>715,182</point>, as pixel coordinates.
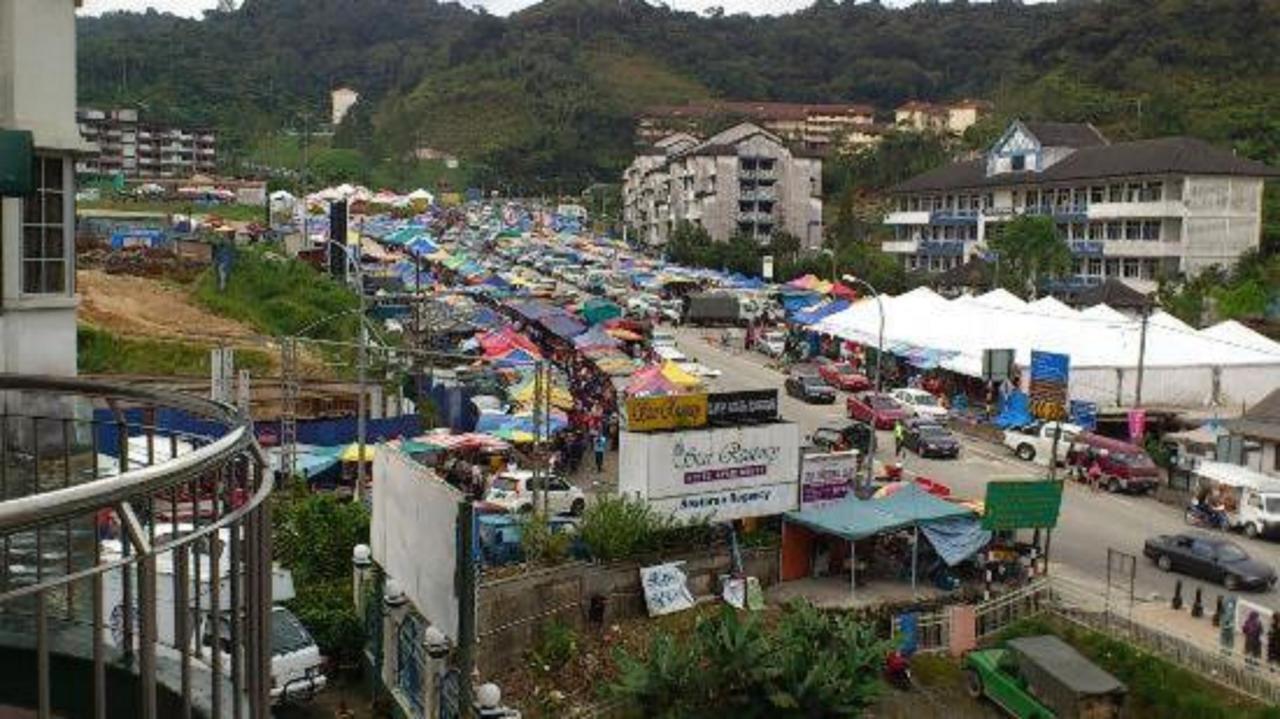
<point>1251,499</point>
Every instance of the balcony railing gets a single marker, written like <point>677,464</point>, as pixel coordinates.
<point>953,217</point>
<point>131,520</point>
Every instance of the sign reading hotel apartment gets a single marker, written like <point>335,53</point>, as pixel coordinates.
<point>721,474</point>
<point>649,414</point>
<point>826,478</point>
<point>1049,373</point>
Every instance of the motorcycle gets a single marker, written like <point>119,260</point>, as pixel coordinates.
<point>897,670</point>
<point>1198,515</point>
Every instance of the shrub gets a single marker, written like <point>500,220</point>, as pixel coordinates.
<point>539,543</point>
<point>557,645</point>
<point>619,527</point>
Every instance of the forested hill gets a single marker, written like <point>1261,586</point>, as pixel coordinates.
<point>546,96</point>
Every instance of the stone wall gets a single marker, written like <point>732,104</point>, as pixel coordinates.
<point>512,609</point>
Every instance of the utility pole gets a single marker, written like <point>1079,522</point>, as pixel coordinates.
<point>362,365</point>
<point>466,605</point>
<point>306,172</point>
<point>538,478</point>
<point>545,431</point>
<point>1142,355</point>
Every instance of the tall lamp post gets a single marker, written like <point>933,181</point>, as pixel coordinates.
<point>361,365</point>
<point>871,451</point>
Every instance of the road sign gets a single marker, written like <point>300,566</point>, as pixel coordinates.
<point>1049,374</point>
<point>1022,505</point>
<point>1084,414</point>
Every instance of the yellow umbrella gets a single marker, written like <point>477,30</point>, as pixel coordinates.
<point>352,453</point>
<point>678,376</point>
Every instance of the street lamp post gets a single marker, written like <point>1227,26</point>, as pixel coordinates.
<point>871,450</point>
<point>361,366</point>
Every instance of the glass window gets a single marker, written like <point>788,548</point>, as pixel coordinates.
<point>1095,266</point>
<point>1151,230</point>
<point>1112,268</point>
<point>1115,230</point>
<point>1131,267</point>
<point>1097,193</point>
<point>1018,162</point>
<point>1133,230</point>
<point>1115,193</point>
<point>45,232</point>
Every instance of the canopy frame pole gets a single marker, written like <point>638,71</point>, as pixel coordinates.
<point>915,554</point>
<point>853,569</point>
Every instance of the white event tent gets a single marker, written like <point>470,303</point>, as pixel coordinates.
<point>1227,364</point>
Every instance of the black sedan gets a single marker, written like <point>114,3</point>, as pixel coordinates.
<point>1210,558</point>
<point>832,439</point>
<point>810,388</point>
<point>930,439</point>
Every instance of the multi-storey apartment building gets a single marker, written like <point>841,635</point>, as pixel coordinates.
<point>133,148</point>
<point>948,118</point>
<point>1129,210</point>
<point>818,127</point>
<point>744,180</point>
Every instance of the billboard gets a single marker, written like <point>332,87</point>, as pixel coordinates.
<point>1022,505</point>
<point>748,407</point>
<point>648,414</point>
<point>1049,373</point>
<point>826,478</point>
<point>723,474</point>
<point>414,535</point>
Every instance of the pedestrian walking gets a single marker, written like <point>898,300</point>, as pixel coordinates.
<point>1252,631</point>
<point>899,438</point>
<point>602,443</point>
<point>1095,474</point>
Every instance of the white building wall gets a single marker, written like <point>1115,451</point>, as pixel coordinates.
<point>1223,220</point>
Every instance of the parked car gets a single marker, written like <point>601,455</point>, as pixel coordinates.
<point>514,492</point>
<point>842,375</point>
<point>920,402</point>
<point>1210,558</point>
<point>930,439</point>
<point>880,410</point>
<point>1125,467</point>
<point>855,435</point>
<point>773,344</point>
<point>1043,678</point>
<point>810,388</point>
<point>1035,442</point>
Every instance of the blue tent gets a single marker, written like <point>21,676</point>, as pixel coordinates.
<point>515,358</point>
<point>563,326</point>
<point>854,518</point>
<point>813,315</point>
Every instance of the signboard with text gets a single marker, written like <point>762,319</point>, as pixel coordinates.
<point>666,589</point>
<point>826,478</point>
<point>720,474</point>
<point>750,407</point>
<point>1022,505</point>
<point>648,414</point>
<point>1049,374</point>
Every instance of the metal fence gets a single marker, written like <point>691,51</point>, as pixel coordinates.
<point>137,561</point>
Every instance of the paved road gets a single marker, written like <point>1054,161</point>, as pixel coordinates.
<point>1089,524</point>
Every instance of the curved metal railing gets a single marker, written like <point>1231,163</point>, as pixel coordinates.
<point>135,538</point>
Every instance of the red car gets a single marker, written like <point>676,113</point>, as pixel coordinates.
<point>879,409</point>
<point>841,375</point>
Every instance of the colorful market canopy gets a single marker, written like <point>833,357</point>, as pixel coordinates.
<point>563,326</point>
<point>352,453</point>
<point>597,310</point>
<point>467,441</point>
<point>678,376</point>
<point>594,337</point>
<point>502,341</point>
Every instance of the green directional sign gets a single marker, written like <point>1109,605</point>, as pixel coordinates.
<point>1022,505</point>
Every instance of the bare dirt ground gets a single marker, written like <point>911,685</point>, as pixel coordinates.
<point>139,307</point>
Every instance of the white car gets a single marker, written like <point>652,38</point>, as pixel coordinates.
<point>514,492</point>
<point>697,369</point>
<point>921,402</point>
<point>670,354</point>
<point>1035,443</point>
<point>773,344</point>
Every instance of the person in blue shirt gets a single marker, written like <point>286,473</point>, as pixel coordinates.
<point>602,443</point>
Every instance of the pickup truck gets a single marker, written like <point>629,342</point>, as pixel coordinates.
<point>1034,443</point>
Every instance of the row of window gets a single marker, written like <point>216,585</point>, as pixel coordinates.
<point>1113,230</point>
<point>937,232</point>
<point>1130,268</point>
<point>924,263</point>
<point>1154,191</point>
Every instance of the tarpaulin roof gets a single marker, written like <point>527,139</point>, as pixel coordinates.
<point>649,382</point>
<point>594,337</point>
<point>597,310</point>
<point>517,356</point>
<point>501,341</point>
<point>563,326</point>
<point>812,315</point>
<point>855,518</point>
<point>678,376</point>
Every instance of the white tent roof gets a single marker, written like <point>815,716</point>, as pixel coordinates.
<point>1051,306</point>
<point>421,194</point>
<point>958,331</point>
<point>1233,332</point>
<point>1103,312</point>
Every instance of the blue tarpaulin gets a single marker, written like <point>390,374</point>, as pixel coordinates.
<point>956,539</point>
<point>563,326</point>
<point>813,315</point>
<point>1016,411</point>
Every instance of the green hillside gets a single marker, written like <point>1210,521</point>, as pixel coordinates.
<point>545,99</point>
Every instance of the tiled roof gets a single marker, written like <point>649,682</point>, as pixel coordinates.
<point>1261,420</point>
<point>1066,134</point>
<point>1162,156</point>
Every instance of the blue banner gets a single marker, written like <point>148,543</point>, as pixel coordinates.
<point>1084,414</point>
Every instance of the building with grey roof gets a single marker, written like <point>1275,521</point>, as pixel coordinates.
<point>1133,211</point>
<point>744,180</point>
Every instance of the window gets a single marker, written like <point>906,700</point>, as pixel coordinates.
<point>1018,162</point>
<point>1131,266</point>
<point>44,230</point>
<point>1153,192</point>
<point>1097,193</point>
<point>1133,230</point>
<point>1095,266</point>
<point>1112,268</point>
<point>1151,230</point>
<point>1115,230</point>
<point>1115,193</point>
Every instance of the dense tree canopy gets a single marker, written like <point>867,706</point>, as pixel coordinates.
<point>545,99</point>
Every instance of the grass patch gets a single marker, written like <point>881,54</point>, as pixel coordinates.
<point>279,296</point>
<point>1158,689</point>
<point>101,352</point>
<point>234,213</point>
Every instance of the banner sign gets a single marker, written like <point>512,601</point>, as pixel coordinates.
<point>1137,425</point>
<point>648,414</point>
<point>720,474</point>
<point>1049,374</point>
<point>751,407</point>
<point>826,478</point>
<point>1086,248</point>
<point>1084,414</point>
<point>1022,505</point>
<point>666,589</point>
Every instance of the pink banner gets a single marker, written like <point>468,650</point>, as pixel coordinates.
<point>1137,425</point>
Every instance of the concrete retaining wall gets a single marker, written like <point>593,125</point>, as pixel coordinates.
<point>511,610</point>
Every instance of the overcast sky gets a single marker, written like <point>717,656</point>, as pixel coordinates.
<point>195,8</point>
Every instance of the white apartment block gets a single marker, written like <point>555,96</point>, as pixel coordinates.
<point>132,148</point>
<point>816,127</point>
<point>1135,211</point>
<point>744,180</point>
<point>37,229</point>
<point>947,118</point>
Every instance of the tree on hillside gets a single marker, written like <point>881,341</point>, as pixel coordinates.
<point>1029,251</point>
<point>336,166</point>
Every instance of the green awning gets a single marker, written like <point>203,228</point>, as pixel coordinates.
<point>855,518</point>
